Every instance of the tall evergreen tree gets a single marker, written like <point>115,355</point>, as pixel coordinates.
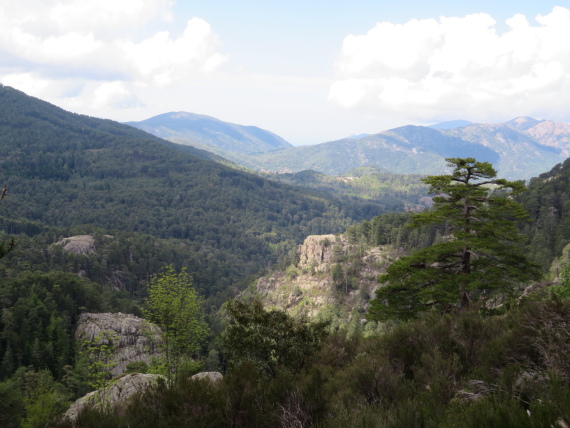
<point>481,254</point>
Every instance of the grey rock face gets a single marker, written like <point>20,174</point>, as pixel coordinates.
<point>117,393</point>
<point>137,339</point>
<point>81,244</point>
<point>318,250</point>
<point>213,377</point>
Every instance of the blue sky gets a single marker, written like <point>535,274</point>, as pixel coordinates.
<point>308,71</point>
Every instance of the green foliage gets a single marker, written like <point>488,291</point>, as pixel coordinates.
<point>565,276</point>
<point>39,311</point>
<point>31,399</point>
<point>393,229</point>
<point>392,192</point>
<point>456,370</point>
<point>174,305</point>
<point>71,171</point>
<point>491,412</point>
<point>270,339</point>
<point>6,247</point>
<point>548,202</point>
<point>338,276</point>
<point>482,255</point>
<point>101,360</point>
<point>12,407</point>
<point>43,402</point>
<point>562,290</point>
<point>137,367</point>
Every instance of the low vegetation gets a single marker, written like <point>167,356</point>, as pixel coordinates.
<point>457,370</point>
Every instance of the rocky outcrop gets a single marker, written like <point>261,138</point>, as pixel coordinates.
<point>213,377</point>
<point>118,392</point>
<point>136,339</point>
<point>122,388</point>
<point>317,250</point>
<point>332,276</point>
<point>81,244</point>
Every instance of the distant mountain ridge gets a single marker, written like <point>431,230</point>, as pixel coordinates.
<point>208,133</point>
<point>451,124</point>
<point>519,149</point>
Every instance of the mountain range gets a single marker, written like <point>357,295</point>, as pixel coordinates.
<point>519,149</point>
<point>208,133</point>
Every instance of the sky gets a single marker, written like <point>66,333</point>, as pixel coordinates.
<point>309,71</point>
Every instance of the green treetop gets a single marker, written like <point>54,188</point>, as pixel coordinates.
<point>480,254</point>
<point>174,305</point>
<point>271,340</point>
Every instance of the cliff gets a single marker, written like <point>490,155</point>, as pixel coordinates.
<point>333,279</point>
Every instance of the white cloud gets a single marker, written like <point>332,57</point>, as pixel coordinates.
<point>30,83</point>
<point>114,95</point>
<point>458,67</point>
<point>77,94</point>
<point>102,17</point>
<point>162,60</point>
<point>107,16</point>
<point>107,46</point>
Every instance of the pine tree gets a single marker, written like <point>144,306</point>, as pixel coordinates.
<point>482,253</point>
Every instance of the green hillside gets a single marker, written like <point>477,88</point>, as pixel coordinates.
<point>547,230</point>
<point>146,203</point>
<point>71,171</point>
<point>141,203</point>
<point>394,192</point>
<point>548,202</point>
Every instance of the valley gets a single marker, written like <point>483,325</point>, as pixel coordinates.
<point>284,247</point>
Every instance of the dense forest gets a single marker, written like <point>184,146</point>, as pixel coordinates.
<point>70,171</point>
<point>394,192</point>
<point>547,227</point>
<point>149,204</point>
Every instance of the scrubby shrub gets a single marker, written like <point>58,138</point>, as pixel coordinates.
<point>454,370</point>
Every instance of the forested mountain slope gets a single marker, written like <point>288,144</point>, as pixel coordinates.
<point>394,192</point>
<point>68,170</point>
<point>146,203</point>
<point>548,202</point>
<point>338,273</point>
<point>547,228</point>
